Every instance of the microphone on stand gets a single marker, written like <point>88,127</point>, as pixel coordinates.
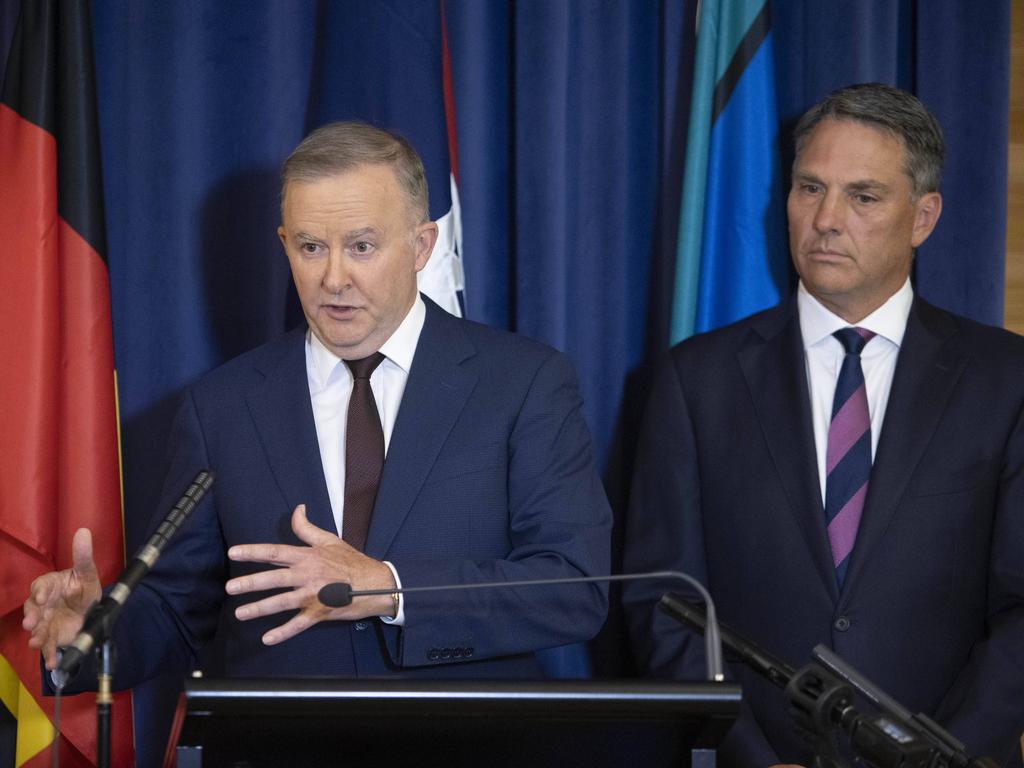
<point>822,700</point>
<point>339,594</point>
<point>100,619</point>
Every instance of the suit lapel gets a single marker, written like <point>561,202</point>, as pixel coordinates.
<point>283,415</point>
<point>773,365</point>
<point>927,370</point>
<point>435,394</point>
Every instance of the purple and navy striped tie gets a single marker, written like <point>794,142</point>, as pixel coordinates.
<point>848,457</point>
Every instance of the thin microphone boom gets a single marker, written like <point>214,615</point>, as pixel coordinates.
<point>339,594</point>
<point>101,617</point>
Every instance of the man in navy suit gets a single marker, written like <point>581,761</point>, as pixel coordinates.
<point>488,474</point>
<point>898,543</point>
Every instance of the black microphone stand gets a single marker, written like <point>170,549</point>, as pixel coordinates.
<point>104,700</point>
<point>98,624</point>
<point>821,705</point>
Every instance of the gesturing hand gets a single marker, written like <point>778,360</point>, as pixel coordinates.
<point>58,601</point>
<point>304,571</point>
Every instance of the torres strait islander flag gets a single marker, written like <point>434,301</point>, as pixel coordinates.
<point>59,459</point>
<point>732,257</point>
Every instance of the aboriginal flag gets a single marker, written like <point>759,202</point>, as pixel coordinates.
<point>59,460</point>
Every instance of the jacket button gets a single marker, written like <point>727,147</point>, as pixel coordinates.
<point>446,653</point>
<point>841,624</point>
<point>433,655</point>
<point>467,652</point>
<point>361,625</point>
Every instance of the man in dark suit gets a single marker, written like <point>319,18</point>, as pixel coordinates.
<point>488,474</point>
<point>848,467</point>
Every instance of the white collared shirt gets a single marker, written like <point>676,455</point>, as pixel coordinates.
<point>823,356</point>
<point>330,387</point>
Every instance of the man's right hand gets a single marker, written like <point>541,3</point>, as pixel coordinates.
<point>58,601</point>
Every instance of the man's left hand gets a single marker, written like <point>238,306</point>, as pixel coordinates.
<point>303,571</point>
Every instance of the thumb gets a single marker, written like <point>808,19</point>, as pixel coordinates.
<point>81,554</point>
<point>307,532</point>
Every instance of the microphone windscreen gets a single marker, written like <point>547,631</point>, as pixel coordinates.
<point>336,595</point>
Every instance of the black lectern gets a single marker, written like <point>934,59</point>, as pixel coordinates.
<point>332,722</point>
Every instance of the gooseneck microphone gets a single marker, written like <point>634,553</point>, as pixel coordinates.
<point>101,616</point>
<point>820,702</point>
<point>339,594</point>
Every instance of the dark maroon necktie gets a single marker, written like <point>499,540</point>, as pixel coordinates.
<point>364,453</point>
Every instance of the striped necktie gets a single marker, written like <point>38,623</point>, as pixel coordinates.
<point>848,457</point>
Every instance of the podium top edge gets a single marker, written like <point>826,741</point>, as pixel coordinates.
<point>210,689</point>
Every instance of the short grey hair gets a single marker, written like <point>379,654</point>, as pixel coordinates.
<point>894,111</point>
<point>339,147</point>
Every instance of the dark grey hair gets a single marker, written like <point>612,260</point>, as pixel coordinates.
<point>338,147</point>
<point>894,111</point>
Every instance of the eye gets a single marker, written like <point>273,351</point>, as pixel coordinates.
<point>864,199</point>
<point>309,248</point>
<point>810,189</point>
<point>362,247</point>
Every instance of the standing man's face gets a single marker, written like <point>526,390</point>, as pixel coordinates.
<point>853,221</point>
<point>354,248</point>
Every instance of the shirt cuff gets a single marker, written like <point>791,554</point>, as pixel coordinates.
<point>399,619</point>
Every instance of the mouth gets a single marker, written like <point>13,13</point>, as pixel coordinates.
<point>339,311</point>
<point>824,254</point>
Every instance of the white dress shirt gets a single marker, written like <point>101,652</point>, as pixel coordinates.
<point>330,387</point>
<point>823,355</point>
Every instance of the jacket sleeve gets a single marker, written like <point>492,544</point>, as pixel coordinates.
<point>554,520</point>
<point>985,705</point>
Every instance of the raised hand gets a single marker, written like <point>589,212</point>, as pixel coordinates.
<point>303,571</point>
<point>59,600</point>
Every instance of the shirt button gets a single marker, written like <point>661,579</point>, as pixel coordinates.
<point>841,624</point>
<point>361,625</point>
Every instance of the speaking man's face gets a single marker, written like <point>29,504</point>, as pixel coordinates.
<point>853,219</point>
<point>354,248</point>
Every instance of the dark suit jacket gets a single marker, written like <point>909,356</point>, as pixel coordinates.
<point>933,603</point>
<point>489,476</point>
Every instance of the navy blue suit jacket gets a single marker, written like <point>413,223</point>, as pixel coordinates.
<point>489,476</point>
<point>932,607</point>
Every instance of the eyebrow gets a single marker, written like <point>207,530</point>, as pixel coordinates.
<point>867,185</point>
<point>357,233</point>
<point>861,185</point>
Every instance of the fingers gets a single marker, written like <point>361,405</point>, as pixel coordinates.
<point>277,578</point>
<point>49,651</point>
<point>81,555</point>
<point>44,590</point>
<point>285,601</point>
<point>298,623</point>
<point>274,554</point>
<point>309,533</point>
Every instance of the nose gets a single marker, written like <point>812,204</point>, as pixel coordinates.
<point>336,277</point>
<point>829,216</point>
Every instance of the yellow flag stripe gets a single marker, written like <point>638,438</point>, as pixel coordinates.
<point>35,731</point>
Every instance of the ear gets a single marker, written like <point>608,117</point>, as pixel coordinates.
<point>281,235</point>
<point>426,237</point>
<point>928,209</point>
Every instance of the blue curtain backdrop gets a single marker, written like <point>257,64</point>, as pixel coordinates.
<point>571,120</point>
